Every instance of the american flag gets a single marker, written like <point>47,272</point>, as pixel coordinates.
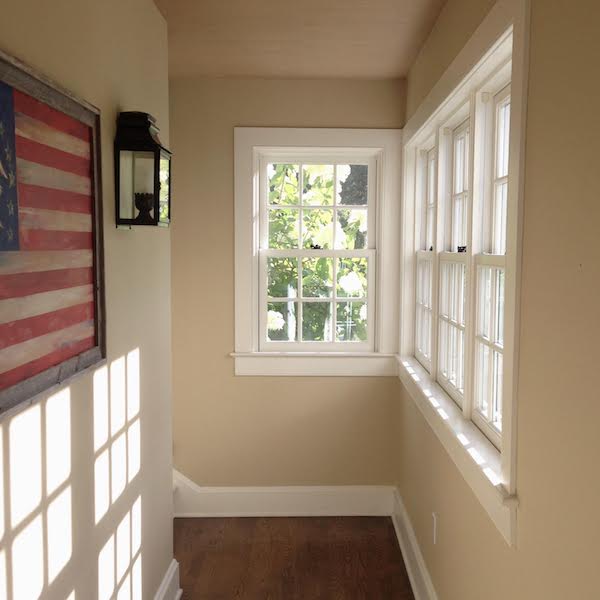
<point>46,249</point>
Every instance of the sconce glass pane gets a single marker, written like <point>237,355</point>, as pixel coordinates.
<point>126,204</point>
<point>143,185</point>
<point>165,188</point>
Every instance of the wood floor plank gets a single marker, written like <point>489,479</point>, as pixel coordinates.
<point>295,558</point>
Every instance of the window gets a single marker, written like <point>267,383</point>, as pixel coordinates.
<point>465,202</point>
<point>463,194</point>
<point>317,254</point>
<point>317,241</point>
<point>461,189</point>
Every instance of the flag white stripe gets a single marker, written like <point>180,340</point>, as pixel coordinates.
<point>41,175</point>
<point>54,220</point>
<point>12,263</point>
<point>37,131</point>
<point>20,354</point>
<point>13,309</point>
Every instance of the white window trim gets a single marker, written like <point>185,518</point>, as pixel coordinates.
<point>490,473</point>
<point>250,143</point>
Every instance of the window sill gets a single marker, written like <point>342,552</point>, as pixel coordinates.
<point>478,461</point>
<point>315,364</point>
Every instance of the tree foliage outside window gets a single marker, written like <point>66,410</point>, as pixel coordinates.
<point>317,207</point>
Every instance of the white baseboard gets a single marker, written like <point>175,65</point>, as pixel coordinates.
<point>169,587</point>
<point>418,574</point>
<point>192,500</point>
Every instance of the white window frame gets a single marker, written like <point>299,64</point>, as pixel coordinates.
<point>254,147</point>
<point>489,469</point>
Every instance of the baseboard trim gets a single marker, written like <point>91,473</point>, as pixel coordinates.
<point>418,574</point>
<point>192,500</point>
<point>169,587</point>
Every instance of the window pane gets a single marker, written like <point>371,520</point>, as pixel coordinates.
<point>316,321</point>
<point>352,277</point>
<point>502,138</point>
<point>499,329</point>
<point>351,325</point>
<point>283,228</point>
<point>351,229</point>
<point>317,277</point>
<point>497,391</point>
<point>352,182</point>
<point>429,228</point>
<point>459,222</point>
<point>459,163</point>
<point>499,218</point>
<point>485,300</point>
<point>283,277</point>
<point>281,321</point>
<point>483,379</point>
<point>317,184</point>
<point>283,183</point>
<point>317,228</point>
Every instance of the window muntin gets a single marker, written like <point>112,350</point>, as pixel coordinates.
<point>317,254</point>
<point>465,350</point>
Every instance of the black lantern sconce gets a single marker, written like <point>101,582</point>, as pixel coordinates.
<point>142,172</point>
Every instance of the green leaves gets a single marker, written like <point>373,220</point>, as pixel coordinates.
<point>317,207</point>
<point>283,182</point>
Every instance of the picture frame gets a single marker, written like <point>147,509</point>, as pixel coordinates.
<point>52,298</point>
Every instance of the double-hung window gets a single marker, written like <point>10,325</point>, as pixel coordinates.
<point>317,251</point>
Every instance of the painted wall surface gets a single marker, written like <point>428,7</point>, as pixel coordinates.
<point>259,430</point>
<point>558,408</point>
<point>114,55</point>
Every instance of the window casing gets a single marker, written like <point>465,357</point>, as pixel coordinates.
<point>460,246</point>
<point>357,236</point>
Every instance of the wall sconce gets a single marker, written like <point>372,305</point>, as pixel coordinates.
<point>142,172</point>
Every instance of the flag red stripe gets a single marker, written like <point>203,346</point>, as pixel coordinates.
<point>52,117</point>
<point>35,196</point>
<point>45,362</point>
<point>32,327</point>
<point>42,239</point>
<point>51,157</point>
<point>24,284</point>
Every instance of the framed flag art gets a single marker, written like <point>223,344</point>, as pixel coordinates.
<point>52,323</point>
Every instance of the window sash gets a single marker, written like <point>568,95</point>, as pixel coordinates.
<point>264,252</point>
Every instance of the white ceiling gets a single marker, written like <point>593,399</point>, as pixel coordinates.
<point>296,38</point>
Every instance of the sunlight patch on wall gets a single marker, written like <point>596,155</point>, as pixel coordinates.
<point>58,440</point>
<point>120,559</point>
<point>117,435</point>
<point>25,463</point>
<point>39,544</point>
<point>59,534</point>
<point>28,561</point>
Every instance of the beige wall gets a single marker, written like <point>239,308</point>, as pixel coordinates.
<point>558,409</point>
<point>259,430</point>
<point>113,54</point>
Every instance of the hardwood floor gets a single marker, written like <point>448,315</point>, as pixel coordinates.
<point>328,558</point>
